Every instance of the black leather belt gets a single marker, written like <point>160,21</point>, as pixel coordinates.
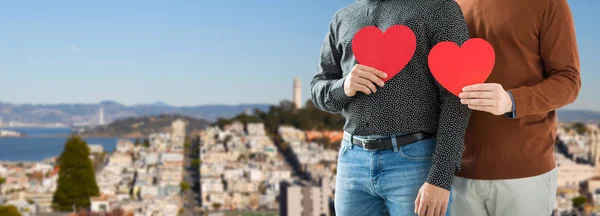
<point>386,143</point>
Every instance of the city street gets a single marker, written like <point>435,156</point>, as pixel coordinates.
<point>191,197</point>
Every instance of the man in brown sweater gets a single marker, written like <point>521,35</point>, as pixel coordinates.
<point>508,167</point>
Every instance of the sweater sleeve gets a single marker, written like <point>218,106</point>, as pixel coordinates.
<point>558,49</point>
<point>448,25</point>
<point>327,86</point>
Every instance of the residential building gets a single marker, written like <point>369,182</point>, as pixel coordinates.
<point>178,127</point>
<point>95,148</point>
<point>3,171</point>
<point>571,174</point>
<point>236,128</point>
<point>119,159</point>
<point>594,134</point>
<point>151,158</point>
<point>172,159</point>
<point>256,129</point>
<point>25,208</point>
<point>44,200</point>
<point>303,199</point>
<point>124,146</point>
<point>100,204</point>
<point>291,134</point>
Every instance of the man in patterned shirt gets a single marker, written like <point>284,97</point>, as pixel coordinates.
<point>403,138</point>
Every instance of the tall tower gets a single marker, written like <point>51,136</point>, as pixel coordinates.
<point>297,93</point>
<point>101,115</point>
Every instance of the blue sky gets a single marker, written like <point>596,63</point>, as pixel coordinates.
<point>188,52</point>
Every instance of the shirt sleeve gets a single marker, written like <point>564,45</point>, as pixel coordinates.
<point>448,25</point>
<point>512,114</point>
<point>327,86</point>
<point>558,49</point>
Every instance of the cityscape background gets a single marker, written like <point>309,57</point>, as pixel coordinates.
<point>202,108</point>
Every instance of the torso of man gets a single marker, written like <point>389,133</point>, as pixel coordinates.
<point>530,50</point>
<point>409,102</point>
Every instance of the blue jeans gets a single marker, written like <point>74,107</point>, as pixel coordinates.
<point>381,182</point>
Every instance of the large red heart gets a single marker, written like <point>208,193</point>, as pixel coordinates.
<point>388,52</point>
<point>456,67</point>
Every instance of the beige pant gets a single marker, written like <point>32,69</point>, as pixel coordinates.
<point>530,196</point>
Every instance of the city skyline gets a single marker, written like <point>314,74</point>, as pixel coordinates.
<point>188,53</point>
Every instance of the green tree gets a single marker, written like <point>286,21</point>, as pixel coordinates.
<point>137,141</point>
<point>216,206</point>
<point>9,211</point>
<point>76,180</point>
<point>262,188</point>
<point>184,186</point>
<point>196,163</point>
<point>2,180</point>
<point>221,122</point>
<point>187,145</point>
<point>146,143</point>
<point>579,128</point>
<point>579,201</point>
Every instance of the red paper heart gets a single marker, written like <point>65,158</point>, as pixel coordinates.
<point>456,67</point>
<point>388,52</point>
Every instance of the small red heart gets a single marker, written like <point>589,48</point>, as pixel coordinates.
<point>388,52</point>
<point>456,67</point>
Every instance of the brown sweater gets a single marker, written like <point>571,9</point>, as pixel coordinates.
<point>537,61</point>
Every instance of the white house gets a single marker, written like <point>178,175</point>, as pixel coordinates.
<point>3,171</point>
<point>124,146</point>
<point>171,157</point>
<point>178,128</point>
<point>256,175</point>
<point>43,168</point>
<point>151,158</point>
<point>256,129</point>
<point>120,160</point>
<point>95,148</point>
<point>100,204</point>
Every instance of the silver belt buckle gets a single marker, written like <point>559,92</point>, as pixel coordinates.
<point>364,141</point>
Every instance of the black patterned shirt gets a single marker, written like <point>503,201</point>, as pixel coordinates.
<point>410,102</point>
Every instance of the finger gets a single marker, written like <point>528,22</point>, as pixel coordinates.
<point>480,87</point>
<point>476,95</point>
<point>368,84</point>
<point>371,77</point>
<point>374,71</point>
<point>443,209</point>
<point>422,208</point>
<point>477,102</point>
<point>417,202</point>
<point>482,108</point>
<point>361,88</point>
<point>433,210</point>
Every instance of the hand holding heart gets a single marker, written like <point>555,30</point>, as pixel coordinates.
<point>363,79</point>
<point>487,97</point>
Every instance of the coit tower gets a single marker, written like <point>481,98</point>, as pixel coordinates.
<point>297,93</point>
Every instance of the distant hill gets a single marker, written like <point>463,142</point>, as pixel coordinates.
<point>584,116</point>
<point>73,114</point>
<point>135,127</point>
